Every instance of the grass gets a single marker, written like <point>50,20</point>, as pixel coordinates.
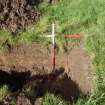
<point>72,16</point>
<point>4,91</point>
<point>50,99</point>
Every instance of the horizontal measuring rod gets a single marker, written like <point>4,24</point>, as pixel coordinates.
<point>74,36</point>
<point>70,36</point>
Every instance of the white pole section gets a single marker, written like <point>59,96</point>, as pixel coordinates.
<point>53,35</point>
<point>53,42</point>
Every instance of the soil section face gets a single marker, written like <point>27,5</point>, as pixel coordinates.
<point>36,60</point>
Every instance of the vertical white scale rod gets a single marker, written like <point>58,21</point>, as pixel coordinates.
<point>53,35</point>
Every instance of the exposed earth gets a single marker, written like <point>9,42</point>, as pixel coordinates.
<point>30,66</point>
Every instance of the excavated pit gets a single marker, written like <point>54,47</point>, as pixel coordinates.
<point>29,67</point>
<point>57,83</point>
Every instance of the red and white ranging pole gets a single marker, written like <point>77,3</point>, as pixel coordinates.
<point>52,36</point>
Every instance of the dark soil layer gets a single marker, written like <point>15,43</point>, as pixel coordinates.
<point>17,15</point>
<point>30,66</point>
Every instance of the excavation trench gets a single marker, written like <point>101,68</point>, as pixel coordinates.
<point>27,69</point>
<point>57,83</point>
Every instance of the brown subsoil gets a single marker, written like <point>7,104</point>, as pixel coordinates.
<point>30,65</point>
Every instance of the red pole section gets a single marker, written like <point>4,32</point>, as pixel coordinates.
<point>53,42</point>
<point>53,58</point>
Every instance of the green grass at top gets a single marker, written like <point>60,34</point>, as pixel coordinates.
<point>69,16</point>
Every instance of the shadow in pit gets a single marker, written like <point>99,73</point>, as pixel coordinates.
<point>56,82</point>
<point>14,80</point>
<point>37,2</point>
<point>34,2</point>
